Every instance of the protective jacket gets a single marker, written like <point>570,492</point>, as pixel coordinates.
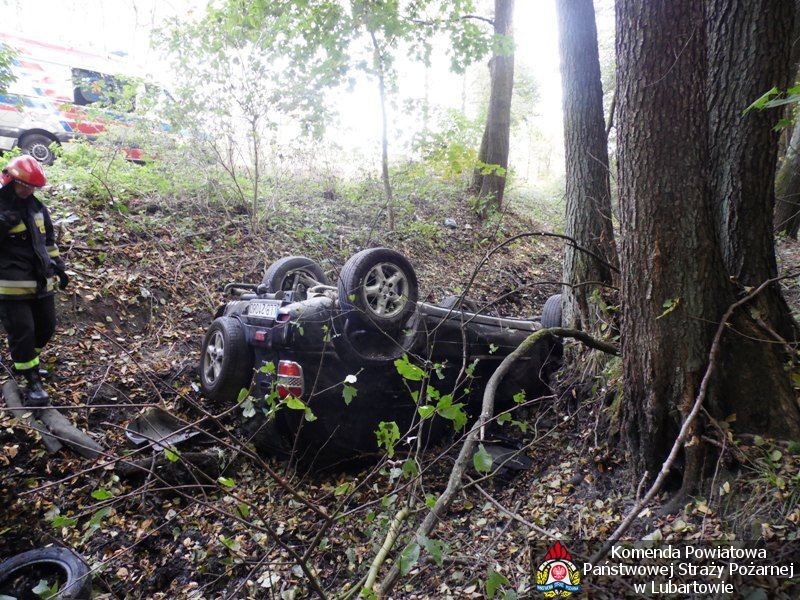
<point>28,252</point>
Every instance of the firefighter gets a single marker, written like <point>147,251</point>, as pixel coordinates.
<point>30,269</point>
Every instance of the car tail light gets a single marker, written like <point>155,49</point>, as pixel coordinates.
<point>260,335</point>
<point>290,379</point>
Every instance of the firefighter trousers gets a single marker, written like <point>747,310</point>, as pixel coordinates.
<point>29,324</point>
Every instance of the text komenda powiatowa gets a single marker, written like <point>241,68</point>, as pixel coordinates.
<point>683,561</point>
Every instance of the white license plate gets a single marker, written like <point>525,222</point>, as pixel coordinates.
<point>267,310</point>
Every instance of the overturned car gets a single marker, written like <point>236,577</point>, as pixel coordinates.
<point>331,365</point>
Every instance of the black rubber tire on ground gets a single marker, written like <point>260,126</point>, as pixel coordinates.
<point>551,312</point>
<point>456,303</point>
<point>380,286</point>
<point>226,361</point>
<point>38,146</point>
<point>294,274</point>
<point>77,584</point>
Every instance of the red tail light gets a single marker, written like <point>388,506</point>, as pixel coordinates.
<point>290,379</point>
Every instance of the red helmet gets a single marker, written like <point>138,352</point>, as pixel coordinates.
<point>25,169</point>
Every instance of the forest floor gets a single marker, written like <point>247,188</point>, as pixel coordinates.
<point>145,288</point>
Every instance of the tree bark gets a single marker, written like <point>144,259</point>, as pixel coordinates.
<point>493,155</point>
<point>675,284</point>
<point>749,52</point>
<point>588,210</point>
<point>787,187</point>
<point>662,156</point>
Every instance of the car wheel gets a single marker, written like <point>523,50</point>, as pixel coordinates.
<point>21,573</point>
<point>380,286</point>
<point>38,146</point>
<point>459,303</point>
<point>551,312</point>
<point>226,362</point>
<point>294,274</point>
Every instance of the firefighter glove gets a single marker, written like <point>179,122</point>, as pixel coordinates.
<point>63,278</point>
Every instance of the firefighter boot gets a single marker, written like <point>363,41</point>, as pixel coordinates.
<point>36,396</point>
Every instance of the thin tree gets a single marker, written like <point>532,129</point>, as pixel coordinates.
<point>588,209</point>
<point>489,179</point>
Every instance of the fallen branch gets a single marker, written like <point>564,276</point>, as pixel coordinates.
<point>454,482</point>
<point>685,427</point>
<point>16,408</point>
<point>391,536</point>
<point>63,429</point>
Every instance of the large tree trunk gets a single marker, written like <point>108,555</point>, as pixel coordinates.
<point>675,284</point>
<point>749,47</point>
<point>489,180</point>
<point>669,259</point>
<point>787,187</point>
<point>588,210</point>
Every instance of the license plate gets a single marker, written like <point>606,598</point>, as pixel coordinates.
<point>266,310</point>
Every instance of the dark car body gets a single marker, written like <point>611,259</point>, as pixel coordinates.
<point>308,348</point>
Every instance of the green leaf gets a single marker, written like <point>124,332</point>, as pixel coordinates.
<point>408,558</point>
<point>98,516</point>
<point>60,522</point>
<point>471,368</point>
<point>761,102</point>
<point>243,393</point>
<point>172,454</point>
<point>430,500</point>
<point>295,403</point>
<point>342,488</point>
<point>456,414</point>
<point>226,482</point>
<point>102,494</point>
<point>243,510</point>
<point>493,348</point>
<point>519,397</point>
<point>504,418</point>
<point>268,368</point>
<point>387,433</point>
<point>407,370</point>
<point>482,460</point>
<point>494,582</point>
<point>669,306</point>
<point>348,393</point>
<point>436,548</point>
<point>45,591</point>
<point>426,411</point>
<point>309,415</point>
<point>248,409</point>
<point>410,468</point>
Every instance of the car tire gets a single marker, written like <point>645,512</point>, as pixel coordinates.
<point>294,274</point>
<point>74,573</point>
<point>38,146</point>
<point>551,312</point>
<point>378,286</point>
<point>226,361</point>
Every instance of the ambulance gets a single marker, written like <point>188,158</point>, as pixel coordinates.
<point>59,94</point>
